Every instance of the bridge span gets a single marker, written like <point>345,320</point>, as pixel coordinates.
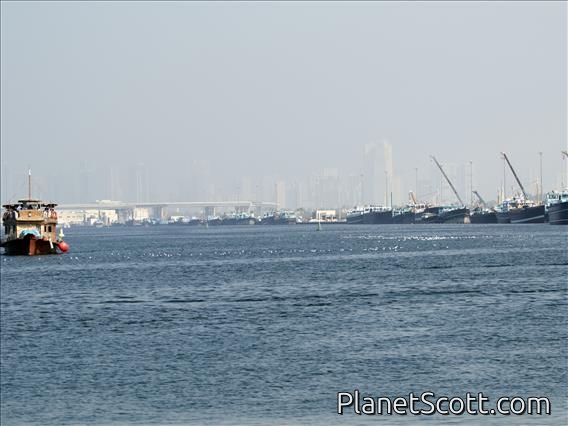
<point>110,205</point>
<point>125,208</point>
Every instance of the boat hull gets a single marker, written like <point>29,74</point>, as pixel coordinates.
<point>558,213</point>
<point>28,247</point>
<point>371,218</point>
<point>278,220</point>
<point>460,215</point>
<point>429,215</point>
<point>534,214</point>
<point>403,218</point>
<point>503,217</point>
<point>483,218</point>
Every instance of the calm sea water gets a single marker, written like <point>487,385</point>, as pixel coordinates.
<point>264,325</point>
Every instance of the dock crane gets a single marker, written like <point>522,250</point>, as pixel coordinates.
<point>516,177</point>
<point>447,179</point>
<point>481,200</point>
<point>412,198</point>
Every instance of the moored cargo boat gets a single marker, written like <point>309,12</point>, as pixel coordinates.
<point>452,214</point>
<point>427,215</point>
<point>557,207</point>
<point>282,217</point>
<point>527,213</point>
<point>370,215</point>
<point>403,216</point>
<point>482,216</point>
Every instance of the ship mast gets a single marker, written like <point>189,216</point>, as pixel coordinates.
<point>515,174</point>
<point>447,179</point>
<point>29,184</point>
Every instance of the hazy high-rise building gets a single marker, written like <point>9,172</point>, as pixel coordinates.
<point>373,174</point>
<point>142,184</point>
<point>267,189</point>
<point>83,191</point>
<point>6,189</point>
<point>293,196</point>
<point>114,183</point>
<point>351,190</point>
<point>245,189</point>
<point>394,184</point>
<point>198,186</point>
<point>280,188</point>
<point>327,188</point>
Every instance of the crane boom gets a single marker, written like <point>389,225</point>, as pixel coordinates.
<point>412,197</point>
<point>481,200</point>
<point>515,174</point>
<point>449,182</point>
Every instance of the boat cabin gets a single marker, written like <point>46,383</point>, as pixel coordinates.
<point>30,217</point>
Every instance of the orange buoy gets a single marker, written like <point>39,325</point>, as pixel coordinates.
<point>63,246</point>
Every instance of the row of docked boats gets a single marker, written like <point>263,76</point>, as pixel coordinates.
<point>282,217</point>
<point>516,210</point>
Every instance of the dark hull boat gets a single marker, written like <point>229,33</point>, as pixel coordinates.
<point>404,217</point>
<point>428,215</point>
<point>30,245</point>
<point>240,219</point>
<point>372,217</point>
<point>214,221</point>
<point>279,218</point>
<point>557,207</point>
<point>503,217</point>
<point>457,215</point>
<point>558,213</point>
<point>482,216</point>
<point>526,214</point>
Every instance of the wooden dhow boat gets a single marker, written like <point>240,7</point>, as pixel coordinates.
<point>30,228</point>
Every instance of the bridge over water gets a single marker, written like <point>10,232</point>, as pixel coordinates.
<point>123,208</point>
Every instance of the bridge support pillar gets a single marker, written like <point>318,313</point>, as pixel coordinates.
<point>158,212</point>
<point>208,211</point>
<point>124,215</point>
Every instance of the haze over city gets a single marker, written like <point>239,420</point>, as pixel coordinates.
<point>144,101</point>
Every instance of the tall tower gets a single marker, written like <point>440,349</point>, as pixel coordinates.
<point>387,148</point>
<point>372,172</point>
<point>142,191</point>
<point>280,194</point>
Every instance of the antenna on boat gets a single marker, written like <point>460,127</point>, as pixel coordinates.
<point>29,183</point>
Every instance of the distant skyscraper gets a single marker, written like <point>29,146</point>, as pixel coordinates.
<point>327,189</point>
<point>267,189</point>
<point>245,189</point>
<point>389,175</point>
<point>199,186</point>
<point>142,189</point>
<point>374,172</point>
<point>84,189</point>
<point>351,190</point>
<point>293,196</point>
<point>280,194</point>
<point>114,190</point>
<point>6,189</point>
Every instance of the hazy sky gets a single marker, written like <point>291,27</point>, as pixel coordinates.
<point>280,89</point>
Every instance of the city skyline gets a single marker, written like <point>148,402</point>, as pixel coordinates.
<point>321,189</point>
<point>193,100</point>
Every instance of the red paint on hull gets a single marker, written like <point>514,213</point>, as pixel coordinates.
<point>28,246</point>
